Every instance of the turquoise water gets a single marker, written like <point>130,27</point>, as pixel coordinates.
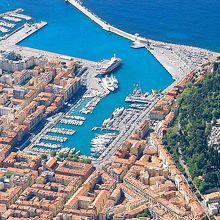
<point>69,32</point>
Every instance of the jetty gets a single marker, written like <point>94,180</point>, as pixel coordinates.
<point>71,122</point>
<point>106,26</point>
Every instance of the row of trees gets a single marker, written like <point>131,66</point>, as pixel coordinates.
<point>199,109</point>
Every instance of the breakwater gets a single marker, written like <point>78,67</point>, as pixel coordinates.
<point>106,26</point>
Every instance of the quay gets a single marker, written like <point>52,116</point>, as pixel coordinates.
<point>27,51</point>
<point>178,60</point>
<point>6,24</point>
<point>21,33</point>
<point>117,142</point>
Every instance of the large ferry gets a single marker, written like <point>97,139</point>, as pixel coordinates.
<point>110,65</point>
<point>110,83</point>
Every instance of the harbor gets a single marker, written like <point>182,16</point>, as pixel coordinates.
<point>87,136</point>
<point>178,60</point>
<point>64,131</point>
<point>97,94</point>
<point>63,126</point>
<point>101,82</point>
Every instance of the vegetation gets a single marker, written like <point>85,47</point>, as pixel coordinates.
<point>9,174</point>
<point>53,153</point>
<point>144,214</point>
<point>187,139</point>
<point>43,156</point>
<point>72,157</point>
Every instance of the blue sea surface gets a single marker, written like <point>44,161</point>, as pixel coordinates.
<point>71,33</point>
<point>195,23</point>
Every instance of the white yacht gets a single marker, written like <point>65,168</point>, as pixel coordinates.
<point>118,112</point>
<point>110,65</point>
<point>110,83</point>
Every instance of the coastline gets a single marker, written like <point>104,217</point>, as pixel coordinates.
<point>122,162</point>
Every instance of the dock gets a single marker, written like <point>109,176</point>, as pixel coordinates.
<point>21,33</point>
<point>21,16</point>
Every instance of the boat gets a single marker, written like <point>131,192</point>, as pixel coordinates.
<point>137,96</point>
<point>118,112</point>
<point>110,83</point>
<point>110,65</point>
<point>106,122</point>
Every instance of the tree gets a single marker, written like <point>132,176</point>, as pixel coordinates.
<point>43,156</point>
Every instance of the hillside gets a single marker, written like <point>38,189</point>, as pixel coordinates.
<point>187,139</point>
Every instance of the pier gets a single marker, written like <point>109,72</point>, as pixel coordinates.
<point>21,16</point>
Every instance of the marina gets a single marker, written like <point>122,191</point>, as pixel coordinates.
<point>15,27</point>
<point>86,105</point>
<point>68,122</point>
<point>122,121</point>
<point>91,99</point>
